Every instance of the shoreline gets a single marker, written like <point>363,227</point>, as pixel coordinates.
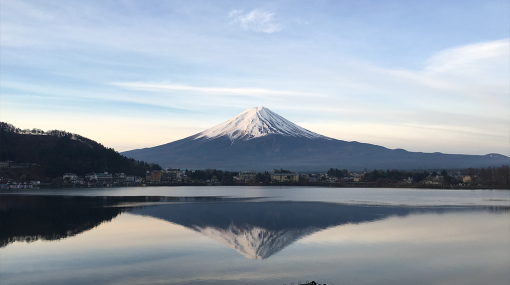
<point>321,185</point>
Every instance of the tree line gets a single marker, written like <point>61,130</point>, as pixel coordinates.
<point>491,176</point>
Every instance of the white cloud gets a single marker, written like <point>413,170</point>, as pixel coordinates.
<point>478,72</point>
<point>255,92</point>
<point>256,20</point>
<point>469,56</point>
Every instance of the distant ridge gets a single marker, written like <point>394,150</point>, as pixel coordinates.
<point>260,139</point>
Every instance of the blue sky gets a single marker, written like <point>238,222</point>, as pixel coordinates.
<point>420,75</point>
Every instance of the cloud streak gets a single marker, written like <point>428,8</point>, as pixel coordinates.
<point>468,56</point>
<point>254,92</point>
<point>256,20</point>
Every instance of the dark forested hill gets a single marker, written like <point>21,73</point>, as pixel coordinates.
<point>58,152</point>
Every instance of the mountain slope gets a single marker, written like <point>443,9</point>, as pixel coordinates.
<point>259,139</point>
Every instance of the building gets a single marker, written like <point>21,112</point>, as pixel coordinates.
<point>333,179</point>
<point>171,175</point>
<point>247,176</point>
<point>284,177</point>
<point>119,177</point>
<point>101,178</point>
<point>132,179</point>
<point>70,177</point>
<point>157,176</point>
<point>466,179</point>
<point>176,171</point>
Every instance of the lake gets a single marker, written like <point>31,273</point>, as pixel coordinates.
<point>254,235</point>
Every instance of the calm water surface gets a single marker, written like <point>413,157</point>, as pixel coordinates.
<point>254,235</point>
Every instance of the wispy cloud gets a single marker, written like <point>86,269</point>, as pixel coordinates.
<point>255,92</point>
<point>477,70</point>
<point>468,56</point>
<point>257,20</point>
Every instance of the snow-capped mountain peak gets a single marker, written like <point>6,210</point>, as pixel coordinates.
<point>257,122</point>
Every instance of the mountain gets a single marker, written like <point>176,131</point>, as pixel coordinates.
<point>57,152</point>
<point>260,139</point>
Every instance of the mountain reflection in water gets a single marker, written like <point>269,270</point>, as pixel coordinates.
<point>256,230</point>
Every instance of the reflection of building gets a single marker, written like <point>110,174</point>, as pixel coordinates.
<point>284,177</point>
<point>247,176</point>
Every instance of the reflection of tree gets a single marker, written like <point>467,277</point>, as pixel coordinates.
<point>30,218</point>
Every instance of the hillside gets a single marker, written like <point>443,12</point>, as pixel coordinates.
<point>58,152</point>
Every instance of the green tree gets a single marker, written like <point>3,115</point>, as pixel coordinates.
<point>448,179</point>
<point>419,176</point>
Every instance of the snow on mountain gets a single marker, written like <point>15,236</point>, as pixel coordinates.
<point>255,242</point>
<point>257,122</point>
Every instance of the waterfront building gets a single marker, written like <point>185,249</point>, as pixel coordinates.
<point>247,176</point>
<point>70,177</point>
<point>284,177</point>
